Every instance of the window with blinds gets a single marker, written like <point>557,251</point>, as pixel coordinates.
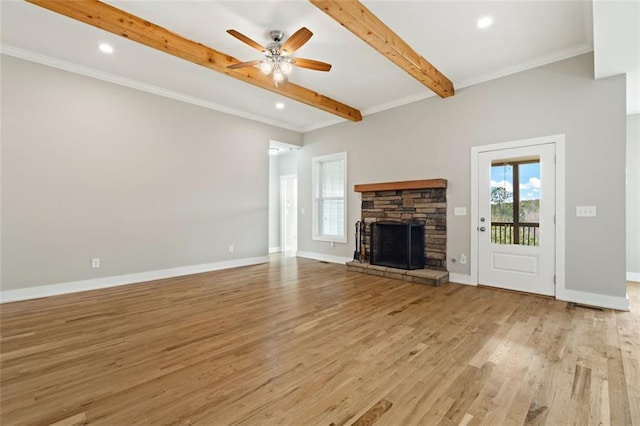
<point>329,184</point>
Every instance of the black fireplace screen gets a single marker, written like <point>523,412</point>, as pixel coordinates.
<point>397,245</point>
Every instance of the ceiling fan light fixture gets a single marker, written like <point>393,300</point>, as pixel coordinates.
<point>278,75</point>
<point>266,67</point>
<point>285,66</point>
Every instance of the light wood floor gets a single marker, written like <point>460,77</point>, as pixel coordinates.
<point>301,342</point>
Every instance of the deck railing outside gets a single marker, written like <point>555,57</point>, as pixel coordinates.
<point>526,234</point>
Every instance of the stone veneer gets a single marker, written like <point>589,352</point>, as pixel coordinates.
<point>426,206</point>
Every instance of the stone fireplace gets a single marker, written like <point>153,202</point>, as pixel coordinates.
<point>421,201</point>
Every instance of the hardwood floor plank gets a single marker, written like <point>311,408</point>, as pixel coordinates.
<point>373,414</point>
<point>297,341</point>
<point>77,420</point>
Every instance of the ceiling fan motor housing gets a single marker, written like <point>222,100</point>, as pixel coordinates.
<point>276,35</point>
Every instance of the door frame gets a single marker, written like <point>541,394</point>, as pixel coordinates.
<point>559,141</point>
<point>284,178</point>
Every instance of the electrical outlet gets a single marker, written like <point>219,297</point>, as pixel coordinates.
<point>230,248</point>
<point>302,210</point>
<point>463,259</point>
<point>95,262</point>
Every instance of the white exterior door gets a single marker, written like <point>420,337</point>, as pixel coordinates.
<point>516,212</point>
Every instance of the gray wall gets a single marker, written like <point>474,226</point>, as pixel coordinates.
<point>633,194</point>
<point>432,139</point>
<point>92,169</point>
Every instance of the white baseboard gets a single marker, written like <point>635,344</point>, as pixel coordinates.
<point>274,250</point>
<point>323,257</point>
<point>633,276</point>
<point>593,299</point>
<point>118,280</point>
<point>461,279</point>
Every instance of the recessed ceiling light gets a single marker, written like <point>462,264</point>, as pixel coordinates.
<point>105,48</point>
<point>484,22</point>
<point>280,105</point>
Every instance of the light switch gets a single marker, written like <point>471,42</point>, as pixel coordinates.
<point>586,211</point>
<point>460,211</point>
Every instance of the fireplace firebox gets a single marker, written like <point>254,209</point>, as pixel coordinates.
<point>397,245</point>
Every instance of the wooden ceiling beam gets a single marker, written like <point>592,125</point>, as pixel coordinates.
<point>355,17</point>
<point>119,22</point>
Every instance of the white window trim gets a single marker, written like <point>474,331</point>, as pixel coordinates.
<point>315,161</point>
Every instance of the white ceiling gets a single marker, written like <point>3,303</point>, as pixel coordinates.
<point>525,34</point>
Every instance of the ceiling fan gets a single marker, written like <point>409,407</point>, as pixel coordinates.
<point>277,54</point>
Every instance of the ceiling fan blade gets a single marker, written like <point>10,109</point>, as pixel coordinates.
<point>244,64</point>
<point>243,38</point>
<point>311,64</point>
<point>296,40</point>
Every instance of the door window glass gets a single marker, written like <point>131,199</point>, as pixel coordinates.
<point>515,202</point>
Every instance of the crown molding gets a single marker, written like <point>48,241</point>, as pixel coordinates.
<point>90,72</point>
<point>538,62</point>
<point>28,55</point>
<point>561,55</point>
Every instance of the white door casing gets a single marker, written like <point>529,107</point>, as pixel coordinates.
<point>532,272</point>
<point>528,268</point>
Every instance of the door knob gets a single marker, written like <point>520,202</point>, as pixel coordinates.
<point>482,228</point>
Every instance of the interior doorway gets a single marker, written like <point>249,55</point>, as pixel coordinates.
<point>283,223</point>
<point>288,213</point>
<point>514,210</point>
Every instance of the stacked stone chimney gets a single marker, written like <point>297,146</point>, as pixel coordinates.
<point>427,206</point>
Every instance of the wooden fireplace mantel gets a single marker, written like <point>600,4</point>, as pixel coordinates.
<point>399,186</point>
